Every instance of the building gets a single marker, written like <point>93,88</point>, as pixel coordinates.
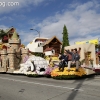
<point>52,46</point>
<point>37,44</point>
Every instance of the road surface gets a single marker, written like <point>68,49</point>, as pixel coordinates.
<point>14,87</point>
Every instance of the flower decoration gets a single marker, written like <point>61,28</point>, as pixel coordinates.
<point>91,61</point>
<point>67,74</point>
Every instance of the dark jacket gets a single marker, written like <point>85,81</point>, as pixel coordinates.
<point>65,57</point>
<point>75,57</point>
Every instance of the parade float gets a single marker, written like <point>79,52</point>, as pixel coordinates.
<point>89,63</point>
<point>33,66</point>
<point>16,59</point>
<point>36,66</point>
<point>72,74</point>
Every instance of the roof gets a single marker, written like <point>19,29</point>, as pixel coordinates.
<point>51,40</point>
<point>39,38</point>
<point>14,36</point>
<point>7,30</point>
<point>48,49</point>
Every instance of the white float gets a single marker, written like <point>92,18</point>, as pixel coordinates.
<point>37,65</point>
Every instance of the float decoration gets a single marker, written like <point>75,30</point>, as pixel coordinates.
<point>31,74</point>
<point>49,70</point>
<point>33,66</point>
<point>56,74</point>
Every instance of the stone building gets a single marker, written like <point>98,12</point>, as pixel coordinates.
<point>11,57</point>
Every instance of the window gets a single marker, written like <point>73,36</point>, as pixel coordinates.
<point>38,45</point>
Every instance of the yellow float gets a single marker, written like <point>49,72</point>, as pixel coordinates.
<point>68,74</point>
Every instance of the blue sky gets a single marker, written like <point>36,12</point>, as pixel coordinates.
<point>81,17</point>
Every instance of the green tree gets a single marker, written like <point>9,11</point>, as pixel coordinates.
<point>2,34</point>
<point>65,41</point>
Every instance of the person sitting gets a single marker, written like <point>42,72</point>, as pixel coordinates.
<point>74,60</point>
<point>64,60</point>
<point>69,59</point>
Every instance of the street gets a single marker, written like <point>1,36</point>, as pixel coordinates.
<point>17,87</point>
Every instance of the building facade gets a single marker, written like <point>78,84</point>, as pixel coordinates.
<point>37,44</point>
<point>53,46</point>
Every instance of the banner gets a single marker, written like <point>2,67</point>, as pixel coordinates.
<point>94,41</point>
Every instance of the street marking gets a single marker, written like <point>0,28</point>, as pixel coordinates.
<point>74,89</point>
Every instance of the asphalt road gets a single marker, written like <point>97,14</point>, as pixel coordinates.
<point>14,87</point>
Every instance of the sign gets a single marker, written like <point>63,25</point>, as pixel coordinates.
<point>94,41</point>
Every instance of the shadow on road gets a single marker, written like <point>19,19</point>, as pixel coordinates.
<point>78,86</point>
<point>74,92</point>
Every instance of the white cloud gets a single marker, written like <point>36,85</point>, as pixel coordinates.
<point>6,18</point>
<point>5,8</point>
<point>27,36</point>
<point>3,27</point>
<point>82,21</point>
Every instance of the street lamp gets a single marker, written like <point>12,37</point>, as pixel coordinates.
<point>37,31</point>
